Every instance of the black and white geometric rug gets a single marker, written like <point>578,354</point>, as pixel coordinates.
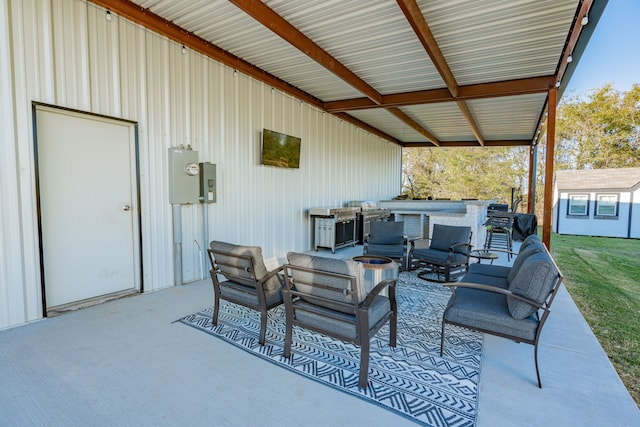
<point>411,380</point>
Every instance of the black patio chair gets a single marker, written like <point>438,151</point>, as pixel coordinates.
<point>386,238</point>
<point>447,254</point>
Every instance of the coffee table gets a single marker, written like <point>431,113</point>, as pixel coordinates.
<point>483,254</point>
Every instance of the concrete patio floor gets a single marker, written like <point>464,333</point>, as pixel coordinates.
<point>126,363</point>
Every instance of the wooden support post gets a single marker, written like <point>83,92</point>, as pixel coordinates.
<point>533,165</point>
<point>548,168</point>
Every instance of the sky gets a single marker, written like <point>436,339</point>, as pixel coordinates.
<point>613,52</point>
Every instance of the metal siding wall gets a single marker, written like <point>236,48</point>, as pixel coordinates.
<point>64,52</point>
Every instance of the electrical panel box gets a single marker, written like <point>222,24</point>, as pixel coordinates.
<point>208,183</point>
<point>184,174</point>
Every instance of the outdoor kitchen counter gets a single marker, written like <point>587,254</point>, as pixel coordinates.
<point>420,215</point>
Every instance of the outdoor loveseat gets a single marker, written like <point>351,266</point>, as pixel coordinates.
<point>510,302</point>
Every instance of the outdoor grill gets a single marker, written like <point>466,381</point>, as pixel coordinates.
<point>334,228</point>
<point>368,211</point>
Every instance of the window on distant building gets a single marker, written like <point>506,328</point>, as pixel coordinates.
<point>607,205</point>
<point>578,205</point>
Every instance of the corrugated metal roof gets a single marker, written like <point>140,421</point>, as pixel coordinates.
<point>495,40</point>
<point>595,179</point>
<point>480,42</point>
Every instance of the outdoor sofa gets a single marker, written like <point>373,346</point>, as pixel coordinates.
<point>510,302</point>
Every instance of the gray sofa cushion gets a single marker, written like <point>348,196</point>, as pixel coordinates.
<point>530,239</point>
<point>534,280</point>
<point>486,310</point>
<point>349,267</point>
<point>489,270</point>
<point>236,267</point>
<point>499,282</point>
<point>522,256</point>
<point>444,236</point>
<point>386,233</point>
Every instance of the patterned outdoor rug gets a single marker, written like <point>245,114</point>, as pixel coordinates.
<point>411,380</point>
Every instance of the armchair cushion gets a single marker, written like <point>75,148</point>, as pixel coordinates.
<point>386,233</point>
<point>234,265</point>
<point>439,257</point>
<point>390,251</point>
<point>323,318</point>
<point>444,236</point>
<point>339,266</point>
<point>534,280</point>
<point>246,295</point>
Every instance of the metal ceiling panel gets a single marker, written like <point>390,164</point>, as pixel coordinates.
<point>224,25</point>
<point>444,120</point>
<point>494,40</point>
<point>507,118</point>
<point>372,38</point>
<point>388,123</point>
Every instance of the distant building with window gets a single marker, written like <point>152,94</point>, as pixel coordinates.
<point>597,202</point>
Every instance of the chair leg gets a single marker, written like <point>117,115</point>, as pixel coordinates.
<point>393,329</point>
<point>442,339</point>
<point>263,326</point>
<point>535,358</point>
<point>288,336</point>
<point>216,309</point>
<point>364,364</point>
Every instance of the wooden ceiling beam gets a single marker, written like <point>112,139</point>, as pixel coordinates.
<point>159,25</point>
<point>572,39</point>
<point>416,19</point>
<point>487,143</point>
<point>464,108</point>
<point>414,16</point>
<point>414,125</point>
<point>281,27</point>
<point>469,92</point>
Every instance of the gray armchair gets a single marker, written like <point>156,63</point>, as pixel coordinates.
<point>447,254</point>
<point>330,296</point>
<point>247,283</point>
<point>386,238</point>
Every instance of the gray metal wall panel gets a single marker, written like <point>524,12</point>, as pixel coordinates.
<point>66,53</point>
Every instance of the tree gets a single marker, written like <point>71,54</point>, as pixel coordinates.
<point>601,131</point>
<point>462,173</point>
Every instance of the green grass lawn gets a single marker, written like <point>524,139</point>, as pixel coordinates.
<point>603,277</point>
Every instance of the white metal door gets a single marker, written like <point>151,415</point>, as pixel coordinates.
<point>88,205</point>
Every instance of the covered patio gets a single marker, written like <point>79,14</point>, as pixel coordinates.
<point>357,82</point>
<point>86,368</point>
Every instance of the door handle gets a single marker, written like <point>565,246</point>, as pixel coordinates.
<point>126,208</point>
